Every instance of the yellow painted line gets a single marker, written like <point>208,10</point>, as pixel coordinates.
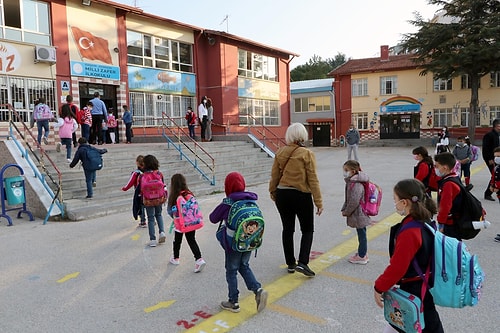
<point>346,232</point>
<point>68,277</point>
<point>225,321</point>
<point>346,278</point>
<point>297,314</point>
<point>158,306</point>
<point>135,237</point>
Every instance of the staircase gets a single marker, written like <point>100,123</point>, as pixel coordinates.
<point>119,162</point>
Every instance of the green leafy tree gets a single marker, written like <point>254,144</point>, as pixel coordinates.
<point>316,68</point>
<point>462,39</point>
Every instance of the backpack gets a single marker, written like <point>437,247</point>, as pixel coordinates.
<point>457,275</point>
<point>475,152</point>
<point>111,122</point>
<point>469,210</point>
<point>42,112</point>
<point>187,214</point>
<point>244,228</point>
<point>372,199</point>
<point>153,189</point>
<point>92,159</point>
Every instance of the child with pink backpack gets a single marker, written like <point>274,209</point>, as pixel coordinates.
<point>67,125</point>
<point>183,207</point>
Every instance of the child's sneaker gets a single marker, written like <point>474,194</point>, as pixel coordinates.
<point>304,269</point>
<point>142,225</point>
<point>58,147</point>
<point>199,265</point>
<point>174,261</point>
<point>162,237</point>
<point>356,259</point>
<point>261,299</point>
<point>153,243</point>
<point>230,306</point>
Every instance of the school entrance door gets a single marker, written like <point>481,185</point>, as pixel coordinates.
<point>400,126</point>
<point>321,135</point>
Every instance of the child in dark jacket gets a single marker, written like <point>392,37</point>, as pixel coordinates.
<point>137,205</point>
<point>234,186</point>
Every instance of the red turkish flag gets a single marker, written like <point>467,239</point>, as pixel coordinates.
<point>91,47</point>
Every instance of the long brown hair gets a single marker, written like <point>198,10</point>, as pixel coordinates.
<point>178,185</point>
<point>422,207</point>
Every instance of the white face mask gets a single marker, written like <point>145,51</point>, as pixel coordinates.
<point>460,144</point>
<point>347,174</point>
<point>497,160</point>
<point>401,212</point>
<point>438,173</point>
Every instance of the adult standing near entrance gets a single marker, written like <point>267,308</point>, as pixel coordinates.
<point>99,114</point>
<point>210,109</point>
<point>127,120</point>
<point>294,186</point>
<point>491,140</point>
<point>352,138</point>
<point>203,117</point>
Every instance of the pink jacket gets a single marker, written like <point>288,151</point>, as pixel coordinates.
<point>66,127</point>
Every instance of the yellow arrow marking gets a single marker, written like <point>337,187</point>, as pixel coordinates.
<point>158,306</point>
<point>68,277</point>
<point>135,237</point>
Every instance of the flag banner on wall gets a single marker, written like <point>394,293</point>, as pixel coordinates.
<point>91,47</point>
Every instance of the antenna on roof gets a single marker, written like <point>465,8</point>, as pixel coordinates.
<point>226,19</point>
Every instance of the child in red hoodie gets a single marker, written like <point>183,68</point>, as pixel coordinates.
<point>234,186</point>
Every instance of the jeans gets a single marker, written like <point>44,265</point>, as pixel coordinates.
<point>42,125</point>
<point>67,142</point>
<point>128,132</point>
<point>154,212</point>
<point>203,124</point>
<point>292,203</point>
<point>191,239</point>
<point>238,262</point>
<point>352,149</point>
<point>86,131</point>
<point>191,131</point>
<point>465,170</point>
<point>89,179</point>
<point>363,242</point>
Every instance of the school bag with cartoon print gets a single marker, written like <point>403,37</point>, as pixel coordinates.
<point>475,152</point>
<point>153,189</point>
<point>187,213</point>
<point>403,310</point>
<point>244,228</point>
<point>370,202</point>
<point>42,112</point>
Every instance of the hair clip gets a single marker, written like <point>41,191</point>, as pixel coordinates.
<point>414,198</point>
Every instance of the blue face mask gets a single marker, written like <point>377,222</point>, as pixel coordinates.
<point>438,173</point>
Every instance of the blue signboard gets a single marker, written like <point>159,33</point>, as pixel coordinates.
<point>161,81</point>
<point>87,69</point>
<point>401,108</point>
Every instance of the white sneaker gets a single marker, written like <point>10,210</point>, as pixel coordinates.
<point>153,243</point>
<point>45,140</point>
<point>162,237</point>
<point>58,147</point>
<point>69,160</point>
<point>199,265</point>
<point>174,261</point>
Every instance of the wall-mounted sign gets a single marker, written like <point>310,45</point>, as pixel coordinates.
<point>95,70</point>
<point>161,81</point>
<point>10,60</point>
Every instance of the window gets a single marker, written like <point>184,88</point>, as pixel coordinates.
<point>25,21</point>
<point>494,113</point>
<point>257,66</point>
<point>309,104</point>
<point>258,111</point>
<point>465,82</point>
<point>360,119</point>
<point>464,117</point>
<point>388,85</point>
<point>157,52</point>
<point>495,79</point>
<point>442,117</point>
<point>359,87</point>
<point>441,84</point>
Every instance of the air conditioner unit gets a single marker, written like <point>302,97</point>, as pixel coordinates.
<point>45,54</point>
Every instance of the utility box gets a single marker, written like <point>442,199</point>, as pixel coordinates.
<point>14,190</point>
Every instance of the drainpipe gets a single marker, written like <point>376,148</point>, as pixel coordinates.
<point>332,92</point>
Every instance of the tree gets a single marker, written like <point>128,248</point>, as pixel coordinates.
<point>463,40</point>
<point>316,68</point>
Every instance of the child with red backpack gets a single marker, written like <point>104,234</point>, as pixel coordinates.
<point>179,192</point>
<point>154,196</point>
<point>356,217</point>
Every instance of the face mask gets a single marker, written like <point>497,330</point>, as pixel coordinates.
<point>444,129</point>
<point>204,101</point>
<point>497,160</point>
<point>401,212</point>
<point>347,174</point>
<point>460,144</point>
<point>438,173</point>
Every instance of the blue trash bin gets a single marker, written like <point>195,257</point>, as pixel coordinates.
<point>14,190</point>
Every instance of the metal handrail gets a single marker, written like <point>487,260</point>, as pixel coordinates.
<point>183,139</point>
<point>262,130</point>
<point>40,159</point>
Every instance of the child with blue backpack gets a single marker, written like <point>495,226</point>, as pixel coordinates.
<point>234,186</point>
<point>405,244</point>
<point>178,187</point>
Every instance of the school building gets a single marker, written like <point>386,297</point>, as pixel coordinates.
<point>153,64</point>
<point>387,98</point>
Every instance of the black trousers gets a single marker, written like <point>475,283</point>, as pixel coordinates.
<point>191,239</point>
<point>293,203</point>
<point>487,192</point>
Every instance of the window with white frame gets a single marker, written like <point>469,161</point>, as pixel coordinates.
<point>495,79</point>
<point>157,52</point>
<point>442,84</point>
<point>258,112</point>
<point>311,104</point>
<point>388,85</point>
<point>360,120</point>
<point>494,113</point>
<point>25,21</point>
<point>257,66</point>
<point>442,117</point>
<point>464,117</point>
<point>359,87</point>
<point>465,82</point>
